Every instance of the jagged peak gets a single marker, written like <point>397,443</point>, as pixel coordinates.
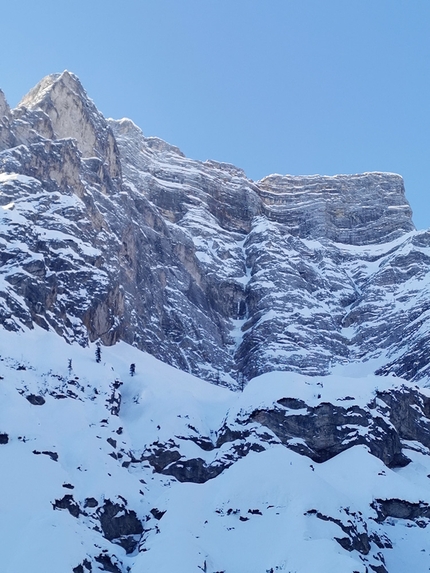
<point>125,125</point>
<point>73,114</point>
<point>42,90</point>
<point>127,128</point>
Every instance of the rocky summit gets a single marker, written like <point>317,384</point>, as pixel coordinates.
<point>292,434</point>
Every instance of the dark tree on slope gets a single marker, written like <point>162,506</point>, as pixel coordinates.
<point>98,353</point>
<point>132,369</point>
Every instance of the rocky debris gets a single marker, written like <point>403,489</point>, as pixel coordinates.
<point>159,455</point>
<point>4,438</point>
<point>112,442</point>
<point>194,470</point>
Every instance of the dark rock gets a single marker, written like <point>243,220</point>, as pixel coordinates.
<point>194,470</point>
<point>36,400</point>
<point>52,455</point>
<point>68,486</point>
<point>85,564</point>
<point>108,565</point>
<point>120,525</point>
<point>409,411</point>
<point>4,438</point>
<point>204,443</point>
<point>90,502</point>
<point>326,430</point>
<point>162,455</point>
<point>378,568</point>
<point>157,513</point>
<point>356,540</point>
<point>400,509</point>
<point>227,434</point>
<point>68,502</point>
<point>292,403</point>
<point>114,400</point>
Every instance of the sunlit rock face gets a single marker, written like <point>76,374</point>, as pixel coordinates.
<point>72,114</point>
<point>108,234</point>
<point>354,209</point>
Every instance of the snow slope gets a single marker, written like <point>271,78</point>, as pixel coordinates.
<point>66,462</point>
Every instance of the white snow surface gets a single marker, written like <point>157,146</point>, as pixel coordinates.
<point>257,516</point>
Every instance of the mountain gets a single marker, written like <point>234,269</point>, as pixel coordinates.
<point>293,431</point>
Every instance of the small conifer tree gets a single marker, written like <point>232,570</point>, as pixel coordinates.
<point>98,354</point>
<point>132,369</point>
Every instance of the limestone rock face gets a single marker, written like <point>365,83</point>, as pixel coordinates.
<point>4,107</point>
<point>7,138</point>
<point>73,114</point>
<point>108,234</point>
<point>353,209</point>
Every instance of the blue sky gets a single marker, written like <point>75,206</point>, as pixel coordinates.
<point>273,86</point>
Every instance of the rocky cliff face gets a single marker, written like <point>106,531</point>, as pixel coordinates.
<point>308,294</point>
<point>107,234</point>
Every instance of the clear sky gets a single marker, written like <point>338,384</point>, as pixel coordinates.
<point>272,86</point>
